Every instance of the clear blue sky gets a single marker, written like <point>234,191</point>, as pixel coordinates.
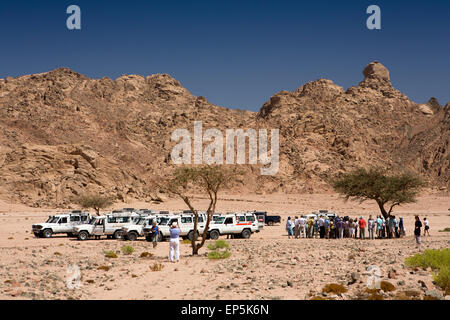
<point>235,53</point>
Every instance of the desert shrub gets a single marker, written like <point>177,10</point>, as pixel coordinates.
<point>58,254</point>
<point>110,254</point>
<point>438,260</point>
<point>218,244</point>
<point>386,286</point>
<point>334,288</point>
<point>104,268</point>
<point>442,278</point>
<point>213,255</point>
<point>127,250</point>
<point>156,267</point>
<point>430,298</point>
<point>375,296</point>
<point>318,298</point>
<point>186,241</point>
<point>445,230</point>
<point>146,255</point>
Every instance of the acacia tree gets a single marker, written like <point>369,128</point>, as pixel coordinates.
<point>208,179</point>
<point>375,184</point>
<point>94,201</point>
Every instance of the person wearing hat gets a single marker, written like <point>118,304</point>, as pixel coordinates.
<point>174,248</point>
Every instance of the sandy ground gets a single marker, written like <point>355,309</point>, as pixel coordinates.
<point>266,266</point>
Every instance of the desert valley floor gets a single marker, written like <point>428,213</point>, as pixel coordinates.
<point>267,266</point>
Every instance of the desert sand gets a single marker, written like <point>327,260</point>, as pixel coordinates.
<point>266,266</point>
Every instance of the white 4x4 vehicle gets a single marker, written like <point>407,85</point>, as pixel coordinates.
<point>242,225</point>
<point>61,223</point>
<point>109,226</point>
<point>133,231</point>
<point>186,223</point>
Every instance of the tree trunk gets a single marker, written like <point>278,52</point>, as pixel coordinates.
<point>383,210</point>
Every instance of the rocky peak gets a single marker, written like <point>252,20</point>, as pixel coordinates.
<point>377,71</point>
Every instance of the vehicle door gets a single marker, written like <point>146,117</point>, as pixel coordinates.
<point>62,226</point>
<point>74,220</point>
<point>229,225</point>
<point>99,227</point>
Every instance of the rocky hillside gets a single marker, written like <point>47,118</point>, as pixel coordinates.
<point>62,134</point>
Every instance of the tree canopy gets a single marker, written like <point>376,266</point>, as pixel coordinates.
<point>94,201</point>
<point>207,179</point>
<point>375,184</point>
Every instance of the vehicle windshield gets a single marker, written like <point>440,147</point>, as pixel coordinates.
<point>92,221</point>
<point>219,220</point>
<point>142,221</point>
<point>162,221</point>
<point>54,220</point>
<point>49,219</point>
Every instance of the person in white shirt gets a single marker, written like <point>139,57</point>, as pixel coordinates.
<point>296,227</point>
<point>302,225</point>
<point>427,227</point>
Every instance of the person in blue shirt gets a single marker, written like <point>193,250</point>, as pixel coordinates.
<point>155,232</point>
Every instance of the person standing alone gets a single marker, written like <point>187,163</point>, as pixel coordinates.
<point>174,248</point>
<point>427,227</point>
<point>417,227</point>
<point>362,228</point>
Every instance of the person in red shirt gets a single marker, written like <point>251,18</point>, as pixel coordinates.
<point>362,228</point>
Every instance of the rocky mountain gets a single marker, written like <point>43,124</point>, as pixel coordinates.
<point>63,134</point>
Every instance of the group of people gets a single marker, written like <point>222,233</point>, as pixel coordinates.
<point>345,227</point>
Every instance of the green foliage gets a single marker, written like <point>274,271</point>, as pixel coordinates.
<point>438,260</point>
<point>93,201</point>
<point>186,241</point>
<point>127,250</point>
<point>219,254</point>
<point>445,230</point>
<point>110,254</point>
<point>375,184</point>
<point>219,244</point>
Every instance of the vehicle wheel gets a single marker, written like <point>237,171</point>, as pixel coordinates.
<point>246,234</point>
<point>270,223</point>
<point>37,234</point>
<point>191,235</point>
<point>118,235</point>
<point>47,233</point>
<point>83,235</point>
<point>214,235</point>
<point>132,236</point>
<point>148,238</point>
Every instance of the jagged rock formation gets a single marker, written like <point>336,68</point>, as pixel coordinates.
<point>62,134</point>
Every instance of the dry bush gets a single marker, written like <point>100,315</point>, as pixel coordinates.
<point>157,267</point>
<point>110,254</point>
<point>334,288</point>
<point>146,255</point>
<point>386,286</point>
<point>104,268</point>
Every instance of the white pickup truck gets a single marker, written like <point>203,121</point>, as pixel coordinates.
<point>241,225</point>
<point>109,225</point>
<point>61,223</point>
